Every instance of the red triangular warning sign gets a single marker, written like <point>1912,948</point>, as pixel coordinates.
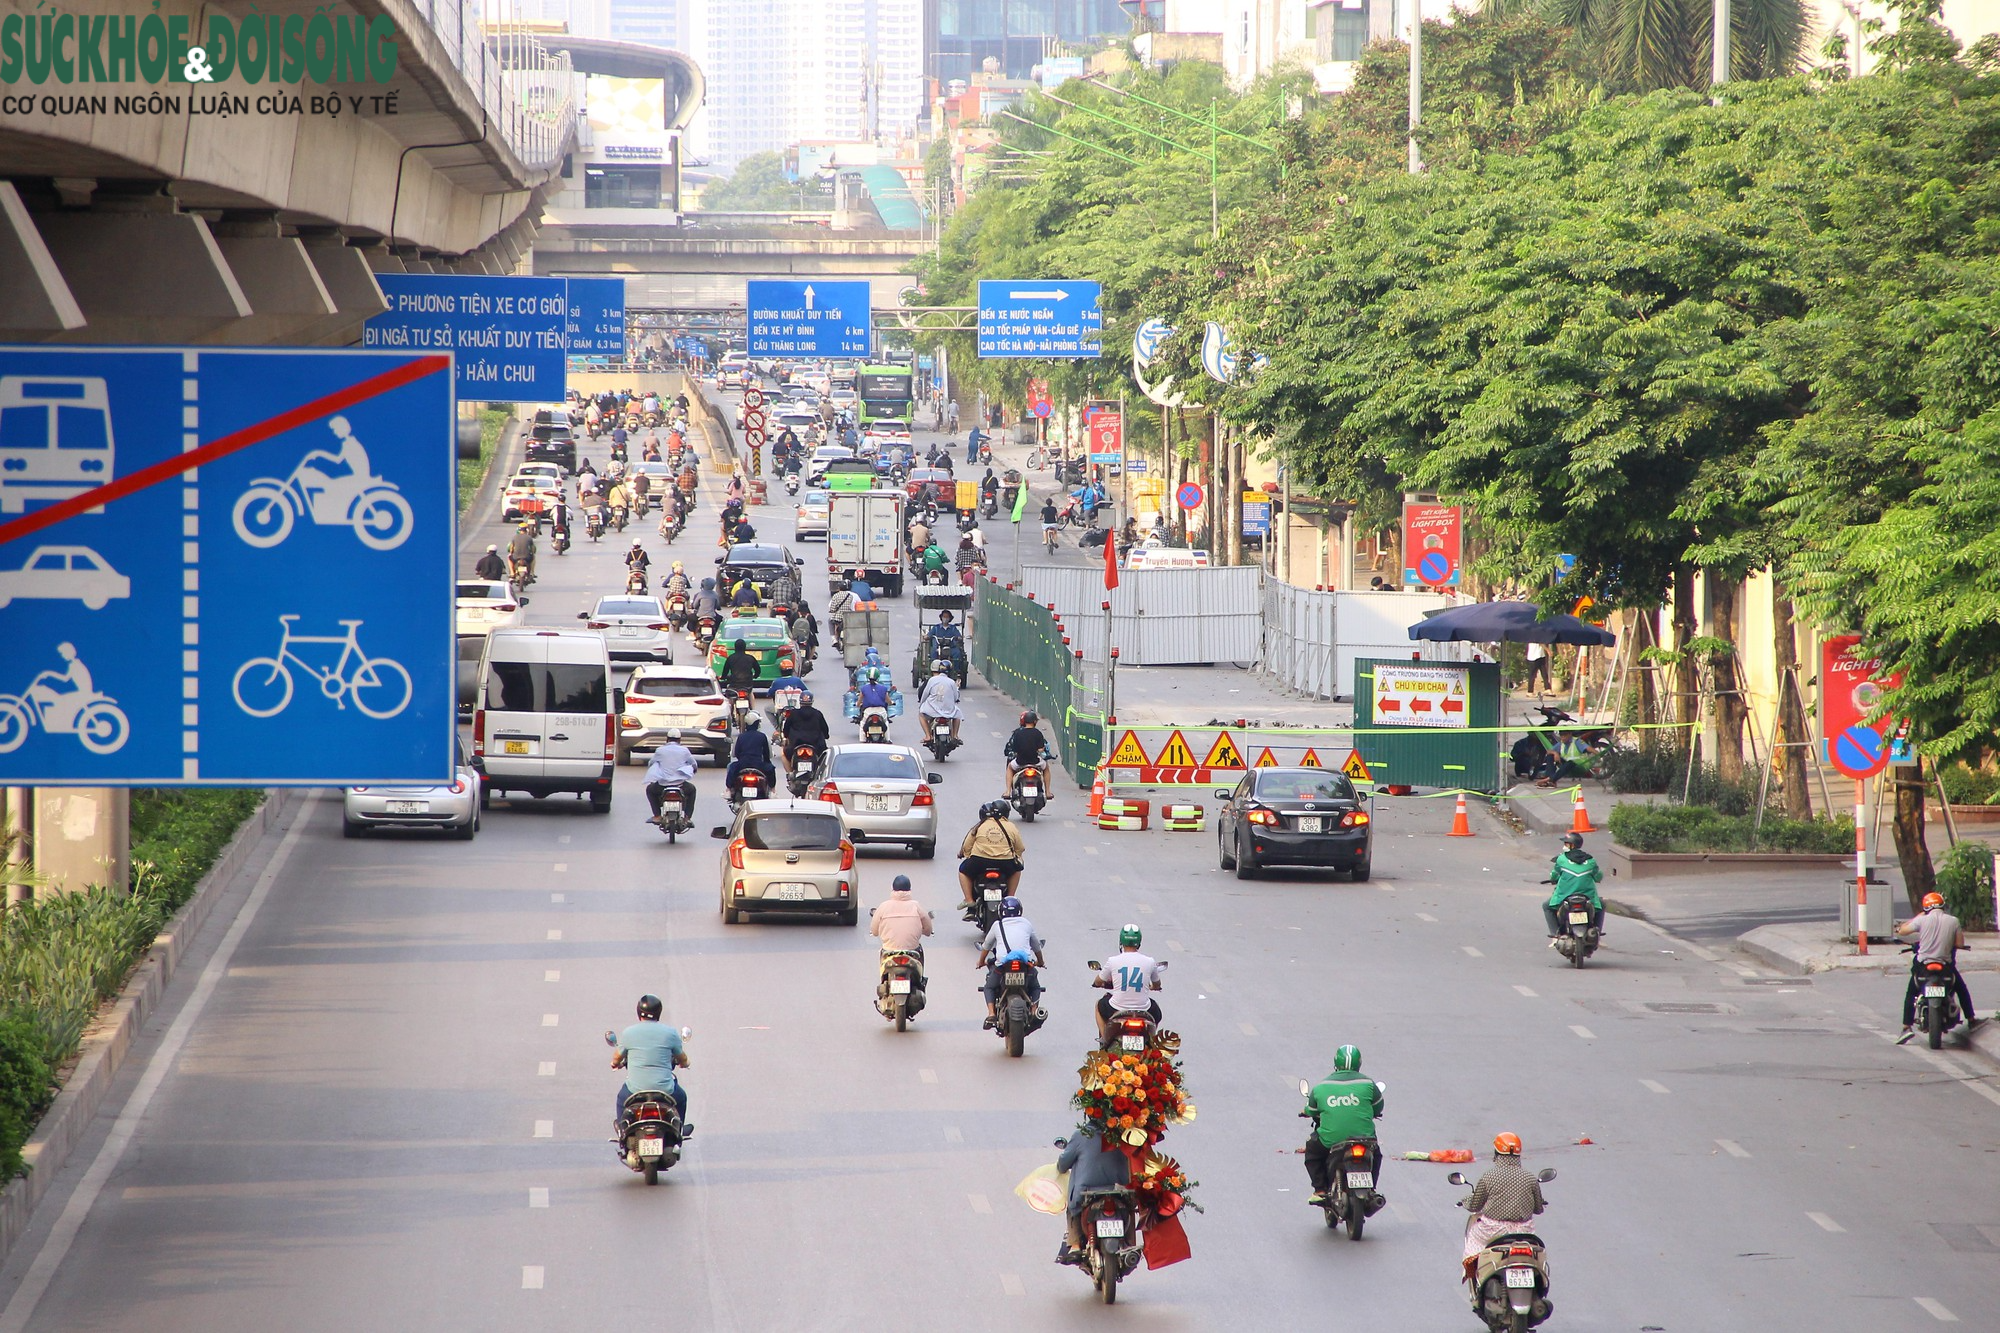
<point>1267,759</point>
<point>1356,767</point>
<point>1311,760</point>
<point>1223,754</point>
<point>1175,753</point>
<point>1129,753</point>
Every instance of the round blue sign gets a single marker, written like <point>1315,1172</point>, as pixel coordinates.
<point>1433,567</point>
<point>1041,408</point>
<point>1860,752</point>
<point>1188,496</point>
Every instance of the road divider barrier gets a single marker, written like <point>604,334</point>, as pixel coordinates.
<point>1124,815</point>
<point>1183,818</point>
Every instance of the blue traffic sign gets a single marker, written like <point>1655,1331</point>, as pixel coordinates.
<point>510,335</point>
<point>1860,751</point>
<point>815,318</point>
<point>226,567</point>
<point>1034,318</point>
<point>596,324</point>
<point>1256,518</point>
<point>1433,567</point>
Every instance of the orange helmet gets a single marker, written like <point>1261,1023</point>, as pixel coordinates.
<point>1933,900</point>
<point>1509,1144</point>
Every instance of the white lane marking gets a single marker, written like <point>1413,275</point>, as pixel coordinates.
<point>1583,1032</point>
<point>980,716</point>
<point>1652,1085</point>
<point>21,1306</point>
<point>550,1020</point>
<point>546,1069</point>
<point>1120,879</point>
<point>1527,991</point>
<point>1732,1147</point>
<point>1471,952</point>
<point>555,934</point>
<point>563,838</point>
<point>1147,908</point>
<point>1177,946</point>
<point>1089,850</point>
<point>557,898</point>
<point>1211,988</point>
<point>531,1277</point>
<point>980,1204</point>
<point>1965,1076</point>
<point>1011,1284</point>
<point>952,1134</point>
<point>562,865</point>
<point>1426,916</point>
<point>996,735</point>
<point>1935,1310</point>
<point>545,1129</point>
<point>1825,1223</point>
<point>538,1196</point>
<point>927,1075</point>
<point>551,976</point>
<point>1384,888</point>
<point>1247,1029</point>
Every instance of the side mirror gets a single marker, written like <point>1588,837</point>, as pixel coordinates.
<point>1094,965</point>
<point>1457,1178</point>
<point>1221,795</point>
<point>934,777</point>
<point>610,1038</point>
<point>1062,1143</point>
<point>686,1033</point>
<point>1305,1088</point>
<point>583,615</point>
<point>719,831</point>
<point>1546,1174</point>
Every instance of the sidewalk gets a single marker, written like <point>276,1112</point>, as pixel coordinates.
<point>1806,949</point>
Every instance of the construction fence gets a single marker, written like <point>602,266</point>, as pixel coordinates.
<point>1017,645</point>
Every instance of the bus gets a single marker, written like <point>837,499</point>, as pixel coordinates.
<point>885,392</point>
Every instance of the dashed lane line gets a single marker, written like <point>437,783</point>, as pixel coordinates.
<point>1471,952</point>
<point>1583,1032</point>
<point>538,1196</point>
<point>1011,1284</point>
<point>1652,1085</point>
<point>555,934</point>
<point>1247,1029</point>
<point>551,1020</point>
<point>1732,1147</point>
<point>1824,1223</point>
<point>1527,991</point>
<point>557,898</point>
<point>927,1075</point>
<point>545,1129</point>
<point>531,1277</point>
<point>980,1204</point>
<point>545,1069</point>
<point>551,976</point>
<point>1426,916</point>
<point>1935,1309</point>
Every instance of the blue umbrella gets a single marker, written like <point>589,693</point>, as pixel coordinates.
<point>1507,622</point>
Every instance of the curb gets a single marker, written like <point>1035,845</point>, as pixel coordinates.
<point>1772,958</point>
<point>117,1026</point>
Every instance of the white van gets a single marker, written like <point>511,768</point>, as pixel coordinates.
<point>546,719</point>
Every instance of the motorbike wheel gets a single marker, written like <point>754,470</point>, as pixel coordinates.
<point>652,1171</point>
<point>1576,954</point>
<point>1028,816</point>
<point>902,1016</point>
<point>1017,1026</point>
<point>1107,1273</point>
<point>1356,1218</point>
<point>1934,1024</point>
<point>1517,1322</point>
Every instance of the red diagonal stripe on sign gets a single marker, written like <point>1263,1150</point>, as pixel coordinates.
<point>168,468</point>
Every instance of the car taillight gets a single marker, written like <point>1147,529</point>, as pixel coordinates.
<point>357,789</point>
<point>661,626</point>
<point>610,738</point>
<point>638,698</point>
<point>736,854</point>
<point>923,796</point>
<point>1264,817</point>
<point>479,732</point>
<point>711,701</point>
<point>846,855</point>
<point>457,786</point>
<point>507,606</point>
<point>598,624</point>
<point>629,723</point>
<point>830,792</point>
<point>1353,819</point>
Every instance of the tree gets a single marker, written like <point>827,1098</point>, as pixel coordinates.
<point>1644,45</point>
<point>759,186</point>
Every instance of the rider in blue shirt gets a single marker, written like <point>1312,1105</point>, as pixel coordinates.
<point>875,691</point>
<point>649,1052</point>
<point>753,750</point>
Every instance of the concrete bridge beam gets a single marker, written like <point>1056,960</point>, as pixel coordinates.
<point>38,301</point>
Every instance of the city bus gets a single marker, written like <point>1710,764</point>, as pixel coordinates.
<point>885,392</point>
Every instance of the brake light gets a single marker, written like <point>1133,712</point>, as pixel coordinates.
<point>1264,817</point>
<point>1014,966</point>
<point>1353,819</point>
<point>1358,1150</point>
<point>710,701</point>
<point>846,855</point>
<point>736,854</point>
<point>457,786</point>
<point>1135,1025</point>
<point>830,792</point>
<point>610,738</point>
<point>507,606</point>
<point>659,625</point>
<point>924,796</point>
<point>479,732</point>
<point>598,624</point>
<point>1527,1250</point>
<point>649,1113</point>
<point>357,789</point>
<point>1933,967</point>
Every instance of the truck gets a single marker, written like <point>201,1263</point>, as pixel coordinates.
<point>864,531</point>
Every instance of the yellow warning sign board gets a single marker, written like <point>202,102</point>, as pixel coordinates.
<point>1355,767</point>
<point>1267,759</point>
<point>1175,753</point>
<point>1129,753</point>
<point>1223,754</point>
<point>1311,760</point>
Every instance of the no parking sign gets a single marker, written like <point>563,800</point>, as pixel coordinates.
<point>1189,496</point>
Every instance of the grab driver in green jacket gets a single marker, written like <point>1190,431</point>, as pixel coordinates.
<point>1343,1107</point>
<point>1574,871</point>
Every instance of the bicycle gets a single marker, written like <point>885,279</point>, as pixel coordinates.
<point>372,683</point>
<point>1051,536</point>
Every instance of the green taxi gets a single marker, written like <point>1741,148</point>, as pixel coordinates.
<point>767,640</point>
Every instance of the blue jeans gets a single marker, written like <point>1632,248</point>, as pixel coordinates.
<point>678,1093</point>
<point>972,448</point>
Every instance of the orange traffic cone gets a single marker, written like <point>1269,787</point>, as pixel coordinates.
<point>1461,826</point>
<point>1579,817</point>
<point>1097,793</point>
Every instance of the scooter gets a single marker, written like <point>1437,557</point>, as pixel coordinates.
<point>650,1132</point>
<point>987,892</point>
<point>1029,793</point>
<point>804,756</point>
<point>1510,1277</point>
<point>1014,1017</point>
<point>635,583</point>
<point>674,819</point>
<point>593,525</point>
<point>989,505</point>
<point>1109,1219</point>
<point>750,785</point>
<point>791,483</point>
<point>739,708</point>
<point>941,742</point>
<point>704,632</point>
<point>559,539</point>
<point>677,611</point>
<point>875,725</point>
<point>1580,935</point>
<point>1351,1168</point>
<point>899,990</point>
<point>619,516</point>
<point>1937,1009</point>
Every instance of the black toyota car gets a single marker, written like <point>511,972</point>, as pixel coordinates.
<point>1294,817</point>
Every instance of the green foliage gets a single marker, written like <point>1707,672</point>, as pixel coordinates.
<point>177,832</point>
<point>1701,828</point>
<point>759,186</point>
<point>1965,878</point>
<point>26,1086</point>
<point>472,471</point>
<point>1643,45</point>
<point>1964,785</point>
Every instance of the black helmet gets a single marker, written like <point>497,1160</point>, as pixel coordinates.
<point>1573,842</point>
<point>1028,719</point>
<point>900,884</point>
<point>742,645</point>
<point>994,810</point>
<point>650,1007</point>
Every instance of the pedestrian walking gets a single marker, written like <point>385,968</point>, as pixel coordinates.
<point>1538,666</point>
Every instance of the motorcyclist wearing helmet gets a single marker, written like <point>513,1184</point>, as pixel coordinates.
<point>1128,975</point>
<point>705,602</point>
<point>875,690</point>
<point>991,843</point>
<point>1574,871</point>
<point>1012,936</point>
<point>804,725</point>
<point>491,566</point>
<point>649,1052</point>
<point>672,764</point>
<point>935,561</point>
<point>1939,938</point>
<point>753,750</point>
<point>521,553</point>
<point>739,669</point>
<point>1343,1107</point>
<point>676,582</point>
<point>1026,746</point>
<point>1507,1196</point>
<point>636,559</point>
<point>900,923</point>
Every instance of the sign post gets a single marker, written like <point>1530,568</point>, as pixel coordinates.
<point>1851,688</point>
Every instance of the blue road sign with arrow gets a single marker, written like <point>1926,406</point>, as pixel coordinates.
<point>226,567</point>
<point>1040,318</point>
<point>509,335</point>
<point>816,318</point>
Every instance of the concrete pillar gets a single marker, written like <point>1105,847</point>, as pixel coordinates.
<point>143,272</point>
<point>17,844</point>
<point>83,836</point>
<point>38,300</point>
<point>345,273</point>
<point>380,258</point>
<point>289,305</point>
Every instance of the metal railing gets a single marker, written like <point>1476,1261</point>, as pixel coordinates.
<point>527,91</point>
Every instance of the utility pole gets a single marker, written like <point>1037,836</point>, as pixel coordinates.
<point>1417,80</point>
<point>1718,72</point>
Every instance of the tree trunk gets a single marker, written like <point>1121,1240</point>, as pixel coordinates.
<point>1793,793</point>
<point>1731,709</point>
<point>1647,626</point>
<point>1912,852</point>
<point>1685,711</point>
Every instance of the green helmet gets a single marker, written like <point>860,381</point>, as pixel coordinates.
<point>1347,1060</point>
<point>1128,938</point>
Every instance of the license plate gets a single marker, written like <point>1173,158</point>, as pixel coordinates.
<point>409,807</point>
<point>631,631</point>
<point>1133,1043</point>
<point>881,805</point>
<point>1015,978</point>
<point>992,895</point>
<point>1930,992</point>
<point>652,1148</point>
<point>1361,1180</point>
<point>788,893</point>
<point>1110,1226</point>
<point>1520,1277</point>
<point>515,747</point>
<point>1579,918</point>
<point>899,985</point>
<point>1031,791</point>
<point>1309,823</point>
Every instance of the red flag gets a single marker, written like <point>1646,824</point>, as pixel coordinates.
<point>1166,1243</point>
<point>1110,561</point>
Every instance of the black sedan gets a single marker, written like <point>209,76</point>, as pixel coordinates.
<point>1294,817</point>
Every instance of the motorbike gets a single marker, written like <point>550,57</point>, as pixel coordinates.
<point>1129,1031</point>
<point>593,525</point>
<point>1937,1009</point>
<point>1531,751</point>
<point>1028,793</point>
<point>987,891</point>
<point>791,483</point>
<point>559,539</point>
<point>1579,938</point>
<point>1112,1246</point>
<point>985,452</point>
<point>650,1133</point>
<point>619,517</point>
<point>935,578</point>
<point>989,505</point>
<point>750,785</point>
<point>674,820</point>
<point>899,991</point>
<point>968,521</point>
<point>804,756</point>
<point>1351,1167</point>
<point>1014,1017</point>
<point>941,742</point>
<point>875,725</point>
<point>635,583</point>
<point>677,610</point>
<point>704,632</point>
<point>740,705</point>
<point>1510,1277</point>
<point>643,503</point>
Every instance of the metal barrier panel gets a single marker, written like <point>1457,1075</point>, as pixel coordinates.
<point>1467,756</point>
<point>1017,646</point>
<point>1313,639</point>
<point>1159,617</point>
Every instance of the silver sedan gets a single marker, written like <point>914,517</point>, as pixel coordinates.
<point>453,807</point>
<point>884,793</point>
<point>633,627</point>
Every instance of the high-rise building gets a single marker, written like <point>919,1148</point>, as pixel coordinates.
<point>960,35</point>
<point>654,22</point>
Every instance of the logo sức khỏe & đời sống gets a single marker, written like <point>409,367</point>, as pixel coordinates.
<point>66,48</point>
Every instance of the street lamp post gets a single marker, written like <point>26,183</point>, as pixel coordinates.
<point>1417,80</point>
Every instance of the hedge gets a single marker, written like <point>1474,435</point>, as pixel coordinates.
<point>1700,828</point>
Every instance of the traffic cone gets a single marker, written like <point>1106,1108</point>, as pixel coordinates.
<point>1097,793</point>
<point>1579,817</point>
<point>1461,824</point>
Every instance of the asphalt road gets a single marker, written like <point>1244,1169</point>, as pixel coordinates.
<point>382,1103</point>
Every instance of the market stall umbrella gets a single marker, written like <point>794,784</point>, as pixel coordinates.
<point>1507,622</point>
